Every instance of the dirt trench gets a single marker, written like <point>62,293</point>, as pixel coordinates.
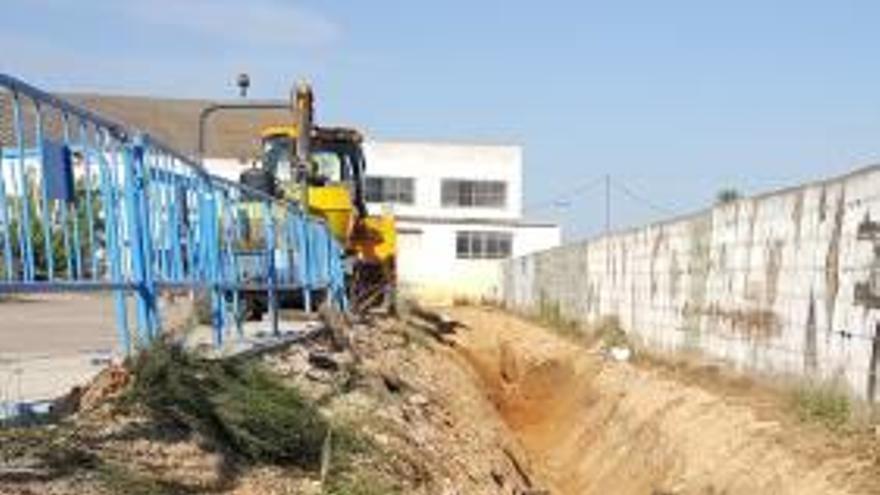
<point>593,426</point>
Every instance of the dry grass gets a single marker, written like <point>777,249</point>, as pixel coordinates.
<point>823,403</point>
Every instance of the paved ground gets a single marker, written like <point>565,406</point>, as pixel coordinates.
<point>52,342</point>
<point>56,323</point>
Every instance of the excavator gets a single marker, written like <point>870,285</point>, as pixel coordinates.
<point>322,169</point>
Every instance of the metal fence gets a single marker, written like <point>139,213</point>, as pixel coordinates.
<point>89,204</point>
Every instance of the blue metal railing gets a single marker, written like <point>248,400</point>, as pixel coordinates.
<point>88,204</point>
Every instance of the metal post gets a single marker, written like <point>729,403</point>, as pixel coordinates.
<point>44,213</point>
<point>111,200</point>
<point>137,225</point>
<point>271,278</point>
<point>4,211</point>
<point>146,214</point>
<point>607,204</point>
<point>84,142</point>
<point>210,249</point>
<point>71,243</point>
<point>25,240</point>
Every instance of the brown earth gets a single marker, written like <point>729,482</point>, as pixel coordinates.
<point>429,428</point>
<point>495,405</point>
<point>591,425</point>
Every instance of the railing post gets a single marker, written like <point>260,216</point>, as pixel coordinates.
<point>138,239</point>
<point>337,276</point>
<point>306,257</point>
<point>90,217</point>
<point>25,239</point>
<point>5,213</point>
<point>230,264</point>
<point>271,273</point>
<point>112,244</point>
<point>45,213</point>
<point>146,231</point>
<point>210,243</point>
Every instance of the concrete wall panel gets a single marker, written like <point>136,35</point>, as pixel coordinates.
<point>783,282</point>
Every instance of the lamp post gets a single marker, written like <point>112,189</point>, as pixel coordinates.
<point>243,81</point>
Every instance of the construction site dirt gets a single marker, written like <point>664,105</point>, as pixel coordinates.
<point>472,401</point>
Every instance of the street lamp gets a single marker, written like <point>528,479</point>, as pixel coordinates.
<point>243,81</point>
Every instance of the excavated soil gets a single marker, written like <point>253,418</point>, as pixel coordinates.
<point>590,425</point>
<point>484,403</point>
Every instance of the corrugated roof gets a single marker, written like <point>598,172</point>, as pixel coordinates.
<point>229,134</point>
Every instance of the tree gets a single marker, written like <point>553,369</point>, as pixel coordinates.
<point>727,195</point>
<point>37,232</point>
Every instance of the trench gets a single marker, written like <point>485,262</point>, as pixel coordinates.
<point>594,426</point>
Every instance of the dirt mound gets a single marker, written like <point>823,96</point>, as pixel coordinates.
<point>595,426</point>
<point>398,412</point>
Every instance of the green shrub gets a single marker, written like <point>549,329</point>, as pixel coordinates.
<point>77,212</point>
<point>237,405</point>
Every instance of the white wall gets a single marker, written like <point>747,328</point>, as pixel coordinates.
<point>427,263</point>
<point>428,266</point>
<point>784,282</point>
<point>228,168</point>
<point>430,163</point>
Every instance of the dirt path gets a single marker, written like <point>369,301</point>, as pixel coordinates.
<point>594,426</point>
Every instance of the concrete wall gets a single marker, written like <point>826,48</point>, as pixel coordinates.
<point>783,282</point>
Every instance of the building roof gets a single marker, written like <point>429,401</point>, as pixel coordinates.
<point>229,134</point>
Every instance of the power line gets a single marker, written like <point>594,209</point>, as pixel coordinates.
<point>565,195</point>
<point>641,199</point>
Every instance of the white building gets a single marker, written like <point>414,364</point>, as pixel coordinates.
<point>459,212</point>
<point>458,206</point>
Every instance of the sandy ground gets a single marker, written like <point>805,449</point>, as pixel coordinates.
<point>503,405</point>
<point>590,425</point>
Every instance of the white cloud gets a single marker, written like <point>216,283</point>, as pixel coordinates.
<point>273,41</point>
<point>270,23</point>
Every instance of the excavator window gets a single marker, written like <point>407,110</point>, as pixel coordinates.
<point>332,161</point>
<point>278,157</point>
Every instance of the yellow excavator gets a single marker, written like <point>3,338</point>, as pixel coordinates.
<point>323,169</point>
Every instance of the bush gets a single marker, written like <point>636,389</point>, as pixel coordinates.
<point>237,405</point>
<point>727,195</point>
<point>610,332</point>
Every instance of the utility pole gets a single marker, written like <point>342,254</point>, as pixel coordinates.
<point>607,204</point>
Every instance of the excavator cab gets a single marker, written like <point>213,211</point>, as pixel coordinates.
<point>323,169</point>
<point>330,181</point>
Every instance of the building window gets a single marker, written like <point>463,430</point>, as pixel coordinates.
<point>390,190</point>
<point>487,245</point>
<point>468,193</point>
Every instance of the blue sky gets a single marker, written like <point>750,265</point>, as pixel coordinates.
<point>675,99</point>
